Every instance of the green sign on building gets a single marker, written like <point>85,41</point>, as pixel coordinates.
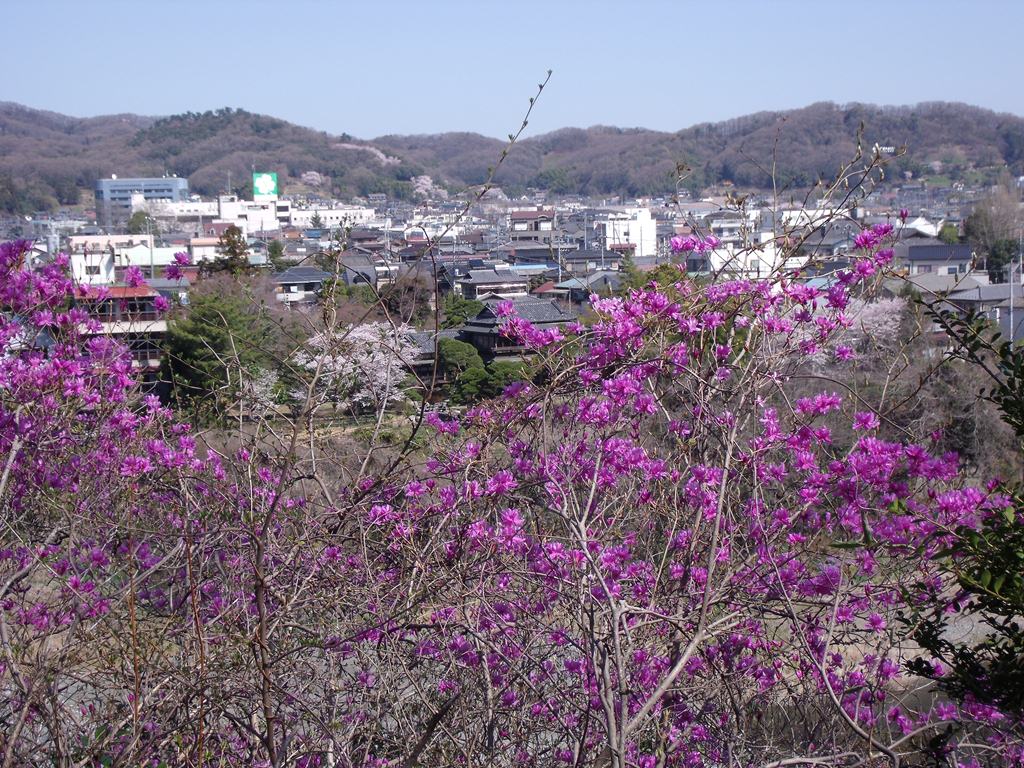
<point>264,184</point>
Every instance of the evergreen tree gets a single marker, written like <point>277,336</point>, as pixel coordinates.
<point>141,223</point>
<point>234,254</point>
<point>226,336</point>
<point>470,386</point>
<point>275,252</point>
<point>633,276</point>
<point>455,357</point>
<point>501,373</point>
<point>457,310</point>
<point>949,234</point>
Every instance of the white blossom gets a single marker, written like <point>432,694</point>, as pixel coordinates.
<point>257,392</point>
<point>362,367</point>
<point>872,327</point>
<point>876,323</point>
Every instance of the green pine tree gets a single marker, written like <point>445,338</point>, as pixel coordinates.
<point>234,254</point>
<point>275,252</point>
<point>223,332</point>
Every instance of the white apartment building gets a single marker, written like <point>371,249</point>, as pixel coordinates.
<point>92,267</point>
<point>332,218</point>
<point>733,226</point>
<point>751,262</point>
<point>107,266</point>
<point>263,215</point>
<point>632,227</point>
<point>182,210</point>
<point>203,248</point>
<point>810,218</point>
<point>105,242</point>
<point>249,215</point>
<point>424,223</point>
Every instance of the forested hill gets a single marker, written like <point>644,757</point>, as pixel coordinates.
<point>47,159</point>
<point>804,144</point>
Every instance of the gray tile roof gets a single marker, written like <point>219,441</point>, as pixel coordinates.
<point>163,284</point>
<point>301,275</point>
<point>586,281</point>
<point>355,259</point>
<point>996,292</point>
<point>424,340</point>
<point>492,276</point>
<point>932,282</point>
<point>930,249</point>
<point>829,237</point>
<point>591,255</point>
<point>531,309</point>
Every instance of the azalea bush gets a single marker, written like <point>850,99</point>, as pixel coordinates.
<point>646,553</point>
<point>986,561</point>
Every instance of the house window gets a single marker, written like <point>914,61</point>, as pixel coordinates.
<point>91,270</point>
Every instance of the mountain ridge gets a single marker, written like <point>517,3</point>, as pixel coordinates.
<point>48,158</point>
<point>596,126</point>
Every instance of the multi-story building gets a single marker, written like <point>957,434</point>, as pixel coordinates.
<point>358,268</point>
<point>331,218</point>
<point>129,315</point>
<point>103,259</point>
<point>93,267</point>
<point>928,255</point>
<point>537,224</point>
<point>499,282</point>
<point>249,215</point>
<point>736,227</point>
<point>181,211</point>
<point>631,231</point>
<point>300,285</point>
<point>581,262</point>
<point>484,331</point>
<point>93,243</point>
<point>114,195</point>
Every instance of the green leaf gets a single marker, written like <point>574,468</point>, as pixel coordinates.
<point>998,583</point>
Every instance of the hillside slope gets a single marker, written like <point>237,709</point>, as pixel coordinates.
<point>47,159</point>
<point>44,157</point>
<point>805,144</point>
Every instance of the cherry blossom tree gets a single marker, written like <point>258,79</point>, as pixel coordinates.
<point>363,367</point>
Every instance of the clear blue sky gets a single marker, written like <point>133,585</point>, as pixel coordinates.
<point>390,66</point>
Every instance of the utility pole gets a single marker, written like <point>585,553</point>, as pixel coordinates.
<point>149,235</point>
<point>1020,260</point>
